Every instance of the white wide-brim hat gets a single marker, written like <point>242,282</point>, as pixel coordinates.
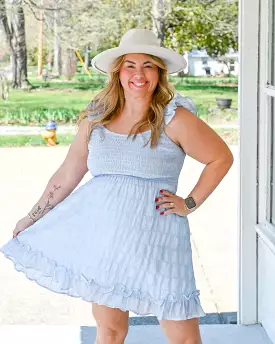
<point>139,41</point>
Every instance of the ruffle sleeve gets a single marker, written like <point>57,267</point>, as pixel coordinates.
<point>178,100</point>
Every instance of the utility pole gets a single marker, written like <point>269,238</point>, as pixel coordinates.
<point>40,43</point>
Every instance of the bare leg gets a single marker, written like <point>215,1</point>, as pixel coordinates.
<point>112,324</point>
<point>182,331</point>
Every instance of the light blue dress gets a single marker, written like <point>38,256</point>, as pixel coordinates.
<point>106,242</point>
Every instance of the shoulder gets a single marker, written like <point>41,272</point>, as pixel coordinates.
<point>179,101</point>
<point>185,122</point>
<point>93,111</point>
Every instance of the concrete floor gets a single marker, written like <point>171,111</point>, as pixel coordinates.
<point>211,334</point>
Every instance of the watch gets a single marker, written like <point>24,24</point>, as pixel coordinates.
<point>190,202</point>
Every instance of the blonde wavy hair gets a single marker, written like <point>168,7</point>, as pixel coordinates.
<point>110,101</point>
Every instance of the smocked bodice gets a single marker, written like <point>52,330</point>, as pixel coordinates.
<point>113,153</point>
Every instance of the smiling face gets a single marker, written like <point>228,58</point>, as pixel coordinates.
<point>138,75</point>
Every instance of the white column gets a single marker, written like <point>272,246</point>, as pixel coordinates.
<point>248,114</point>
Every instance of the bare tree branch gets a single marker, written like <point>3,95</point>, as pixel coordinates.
<point>32,10</point>
<point>46,8</point>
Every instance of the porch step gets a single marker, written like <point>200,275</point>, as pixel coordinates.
<point>210,318</point>
<point>145,334</point>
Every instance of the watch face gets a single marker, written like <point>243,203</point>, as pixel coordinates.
<point>190,203</point>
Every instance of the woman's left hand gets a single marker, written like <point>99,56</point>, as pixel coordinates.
<point>178,207</point>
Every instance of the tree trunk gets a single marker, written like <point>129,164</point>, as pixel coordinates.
<point>50,57</point>
<point>57,48</point>
<point>15,83</point>
<point>70,64</point>
<point>40,45</point>
<point>19,44</point>
<point>9,38</point>
<point>158,19</point>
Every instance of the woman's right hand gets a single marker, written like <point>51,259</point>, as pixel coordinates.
<point>21,225</point>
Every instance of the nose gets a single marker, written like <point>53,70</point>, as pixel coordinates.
<point>139,75</point>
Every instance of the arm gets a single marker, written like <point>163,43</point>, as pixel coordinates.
<point>202,143</point>
<point>67,177</point>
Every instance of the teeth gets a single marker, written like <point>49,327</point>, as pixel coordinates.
<point>139,84</point>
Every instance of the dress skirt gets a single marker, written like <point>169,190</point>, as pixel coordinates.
<point>107,243</point>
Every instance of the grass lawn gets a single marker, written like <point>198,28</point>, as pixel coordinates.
<point>63,105</point>
<point>206,99</point>
<point>33,140</point>
<point>50,99</point>
<point>230,136</point>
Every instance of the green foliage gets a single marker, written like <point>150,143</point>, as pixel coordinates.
<point>33,56</point>
<point>101,23</point>
<point>82,85</point>
<point>204,81</point>
<point>128,14</point>
<point>25,116</point>
<point>212,25</point>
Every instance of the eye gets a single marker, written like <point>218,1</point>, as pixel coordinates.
<point>130,66</point>
<point>148,67</point>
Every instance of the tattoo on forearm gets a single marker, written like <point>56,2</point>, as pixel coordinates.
<point>48,205</point>
<point>36,211</point>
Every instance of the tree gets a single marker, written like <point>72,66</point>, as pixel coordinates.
<point>158,19</point>
<point>70,63</point>
<point>51,13</point>
<point>57,45</point>
<point>95,25</point>
<point>212,25</point>
<point>14,28</point>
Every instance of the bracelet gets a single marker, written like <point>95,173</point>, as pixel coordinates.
<point>31,217</point>
<point>186,208</point>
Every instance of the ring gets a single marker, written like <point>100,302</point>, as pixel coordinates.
<point>172,204</point>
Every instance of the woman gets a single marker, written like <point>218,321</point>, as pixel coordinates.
<point>122,241</point>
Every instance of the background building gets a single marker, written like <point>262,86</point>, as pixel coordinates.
<point>201,64</point>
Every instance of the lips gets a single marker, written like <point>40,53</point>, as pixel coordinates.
<point>139,84</point>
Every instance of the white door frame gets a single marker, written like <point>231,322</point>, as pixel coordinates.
<point>264,228</point>
<point>248,148</point>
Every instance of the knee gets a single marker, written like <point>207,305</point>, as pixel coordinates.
<point>111,336</point>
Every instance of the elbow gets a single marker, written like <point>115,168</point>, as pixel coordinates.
<point>229,156</point>
<point>228,159</point>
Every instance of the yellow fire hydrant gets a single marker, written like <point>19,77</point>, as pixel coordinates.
<point>50,133</point>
